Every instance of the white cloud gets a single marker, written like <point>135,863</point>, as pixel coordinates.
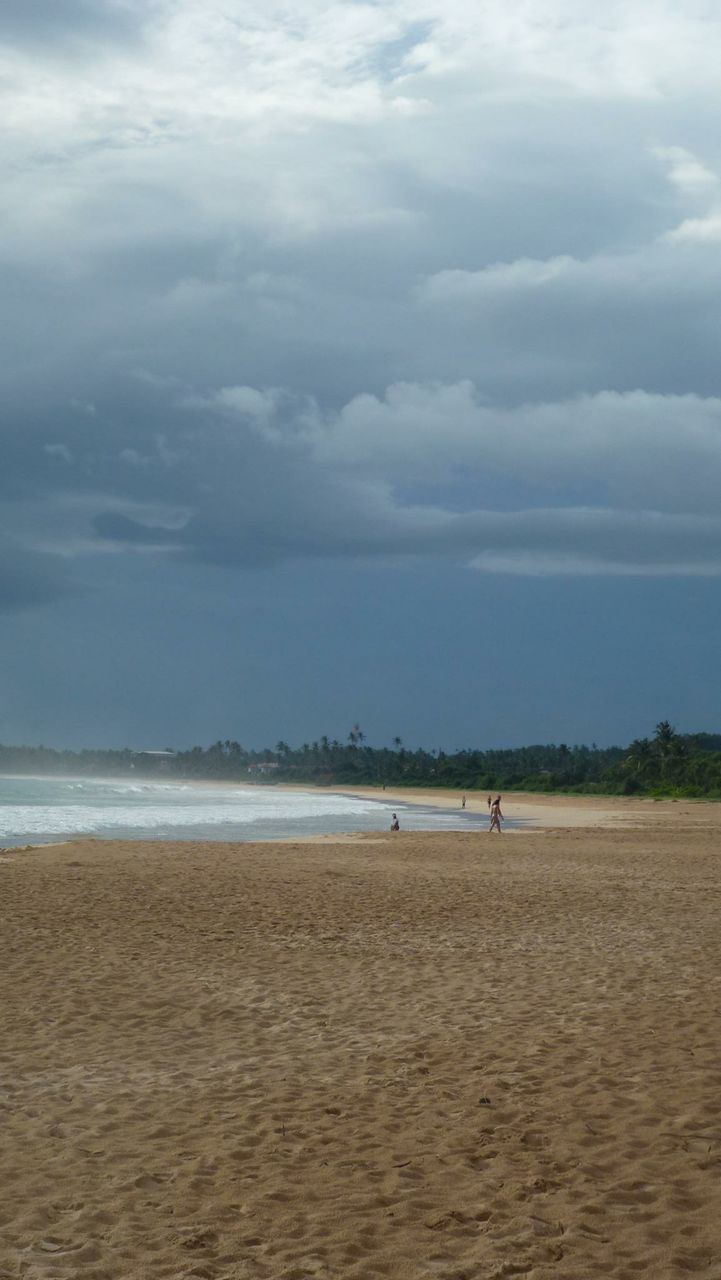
<point>524,273</point>
<point>697,231</point>
<point>220,69</point>
<point>571,47</point>
<point>293,120</point>
<point>686,171</point>
<point>248,401</point>
<point>636,449</point>
<point>247,407</point>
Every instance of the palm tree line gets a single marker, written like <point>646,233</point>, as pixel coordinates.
<point>668,763</point>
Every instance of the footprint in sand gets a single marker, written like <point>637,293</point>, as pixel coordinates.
<point>55,1246</point>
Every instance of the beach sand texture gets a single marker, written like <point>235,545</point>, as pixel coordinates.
<point>452,1056</point>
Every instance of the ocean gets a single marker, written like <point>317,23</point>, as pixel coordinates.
<point>42,810</point>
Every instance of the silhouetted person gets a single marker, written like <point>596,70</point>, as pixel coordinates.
<point>496,815</point>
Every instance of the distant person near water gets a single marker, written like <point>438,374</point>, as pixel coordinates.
<point>395,824</point>
<point>463,803</point>
<point>496,815</point>
<point>490,802</point>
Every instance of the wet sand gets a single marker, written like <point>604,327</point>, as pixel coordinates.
<point>527,809</point>
<point>456,1056</point>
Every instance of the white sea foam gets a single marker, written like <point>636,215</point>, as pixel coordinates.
<point>45,808</point>
<point>49,806</point>
<point>64,818</point>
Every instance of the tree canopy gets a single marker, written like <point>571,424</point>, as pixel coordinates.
<point>668,763</point>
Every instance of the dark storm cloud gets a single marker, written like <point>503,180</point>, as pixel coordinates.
<point>58,23</point>
<point>29,579</point>
<point>371,299</point>
<point>120,528</point>
<point>324,290</point>
<point>262,478</point>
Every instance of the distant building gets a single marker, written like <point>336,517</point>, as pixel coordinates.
<point>264,766</point>
<point>160,760</point>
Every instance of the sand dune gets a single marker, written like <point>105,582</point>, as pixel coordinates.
<point>453,1056</point>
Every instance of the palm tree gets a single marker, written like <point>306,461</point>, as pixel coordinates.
<point>640,754</point>
<point>664,737</point>
<point>664,741</point>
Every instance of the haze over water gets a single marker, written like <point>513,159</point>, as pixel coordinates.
<point>40,810</point>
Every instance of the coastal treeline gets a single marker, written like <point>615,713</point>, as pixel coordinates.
<point>667,763</point>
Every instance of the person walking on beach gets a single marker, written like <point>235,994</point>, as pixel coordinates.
<point>490,802</point>
<point>463,803</point>
<point>496,815</point>
<point>395,824</point>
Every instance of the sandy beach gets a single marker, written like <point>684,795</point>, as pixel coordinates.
<point>530,810</point>
<point>456,1056</point>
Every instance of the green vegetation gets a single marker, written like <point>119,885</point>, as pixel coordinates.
<point>669,764</point>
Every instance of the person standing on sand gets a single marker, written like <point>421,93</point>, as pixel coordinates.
<point>463,803</point>
<point>395,824</point>
<point>496,815</point>
<point>489,802</point>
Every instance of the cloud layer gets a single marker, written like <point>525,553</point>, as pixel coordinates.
<point>338,280</point>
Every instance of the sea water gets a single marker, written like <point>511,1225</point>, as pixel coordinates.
<point>42,810</point>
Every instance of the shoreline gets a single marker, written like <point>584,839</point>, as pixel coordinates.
<point>536,810</point>
<point>525,811</point>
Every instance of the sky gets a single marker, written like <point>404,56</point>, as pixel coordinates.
<point>359,365</point>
